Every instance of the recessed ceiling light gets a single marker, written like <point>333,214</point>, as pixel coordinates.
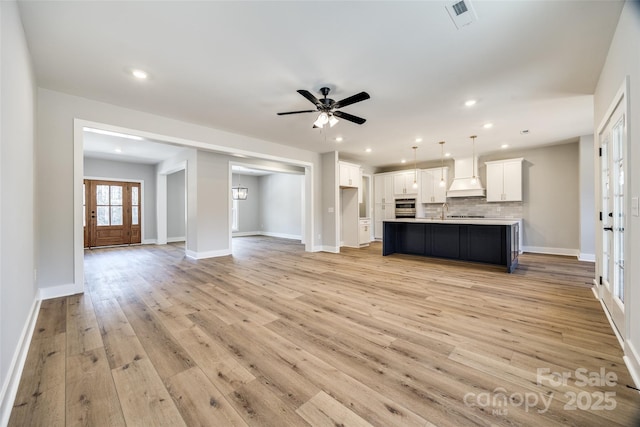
<point>110,133</point>
<point>418,139</point>
<point>139,74</point>
<point>488,125</point>
<point>504,146</point>
<point>368,150</point>
<point>338,139</point>
<point>447,154</point>
<point>403,161</point>
<point>470,102</point>
<point>118,150</point>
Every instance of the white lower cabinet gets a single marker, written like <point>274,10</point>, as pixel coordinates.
<point>365,232</point>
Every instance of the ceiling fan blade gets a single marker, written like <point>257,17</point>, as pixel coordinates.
<point>310,97</point>
<point>352,100</point>
<point>297,112</point>
<point>350,117</point>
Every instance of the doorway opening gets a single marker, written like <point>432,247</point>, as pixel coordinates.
<point>612,245</point>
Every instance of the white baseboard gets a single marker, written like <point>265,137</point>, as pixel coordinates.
<point>632,360</point>
<point>208,254</point>
<point>587,257</point>
<point>551,251</point>
<point>149,242</point>
<point>10,386</point>
<point>60,291</point>
<point>281,235</point>
<point>246,233</point>
<point>176,239</point>
<point>332,249</point>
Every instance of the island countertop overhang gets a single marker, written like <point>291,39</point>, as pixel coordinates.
<point>459,221</point>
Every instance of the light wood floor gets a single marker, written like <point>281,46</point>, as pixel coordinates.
<point>274,336</point>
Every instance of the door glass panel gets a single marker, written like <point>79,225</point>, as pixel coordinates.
<point>116,215</point>
<point>103,215</point>
<point>618,211</point>
<point>116,195</point>
<point>134,215</point>
<point>102,194</point>
<point>134,196</point>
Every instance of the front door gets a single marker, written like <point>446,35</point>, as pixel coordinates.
<point>612,173</point>
<point>112,213</point>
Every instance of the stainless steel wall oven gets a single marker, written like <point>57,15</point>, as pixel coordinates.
<point>405,208</point>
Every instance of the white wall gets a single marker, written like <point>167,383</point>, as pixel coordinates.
<point>109,169</point>
<point>18,292</point>
<point>176,207</point>
<point>551,208</point>
<point>55,143</point>
<point>280,205</point>
<point>623,60</point>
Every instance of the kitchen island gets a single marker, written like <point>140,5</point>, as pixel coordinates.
<point>490,241</point>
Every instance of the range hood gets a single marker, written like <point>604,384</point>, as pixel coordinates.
<point>462,185</point>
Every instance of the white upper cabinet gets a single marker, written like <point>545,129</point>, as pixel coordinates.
<point>349,175</point>
<point>403,184</point>
<point>383,188</point>
<point>504,180</point>
<point>430,189</point>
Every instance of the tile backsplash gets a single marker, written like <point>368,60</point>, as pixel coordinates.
<point>471,206</point>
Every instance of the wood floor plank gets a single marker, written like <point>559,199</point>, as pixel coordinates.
<point>144,399</point>
<point>83,332</point>
<point>275,336</point>
<point>324,411</point>
<point>218,363</point>
<point>91,397</point>
<point>199,402</point>
<point>40,399</point>
<point>120,341</point>
<point>52,319</point>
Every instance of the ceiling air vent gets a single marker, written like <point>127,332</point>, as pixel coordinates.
<point>461,13</point>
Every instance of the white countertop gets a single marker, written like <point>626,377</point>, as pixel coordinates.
<point>470,221</point>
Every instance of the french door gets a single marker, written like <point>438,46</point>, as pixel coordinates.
<point>612,174</point>
<point>112,213</point>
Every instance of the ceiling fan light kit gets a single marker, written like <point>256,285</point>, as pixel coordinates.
<point>329,109</point>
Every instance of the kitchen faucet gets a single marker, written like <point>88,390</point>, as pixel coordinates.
<point>444,205</point>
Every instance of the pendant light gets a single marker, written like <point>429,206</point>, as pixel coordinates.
<point>415,168</point>
<point>442,183</point>
<point>474,180</point>
<point>238,192</point>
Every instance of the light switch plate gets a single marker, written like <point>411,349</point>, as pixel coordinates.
<point>634,206</point>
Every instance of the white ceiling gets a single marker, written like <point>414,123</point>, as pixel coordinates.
<point>143,151</point>
<point>233,65</point>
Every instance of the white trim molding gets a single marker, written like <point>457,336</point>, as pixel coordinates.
<point>12,381</point>
<point>60,291</point>
<point>281,235</point>
<point>632,360</point>
<point>176,239</point>
<point>587,257</point>
<point>551,251</point>
<point>209,254</point>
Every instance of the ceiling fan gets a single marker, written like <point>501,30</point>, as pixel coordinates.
<point>328,108</point>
